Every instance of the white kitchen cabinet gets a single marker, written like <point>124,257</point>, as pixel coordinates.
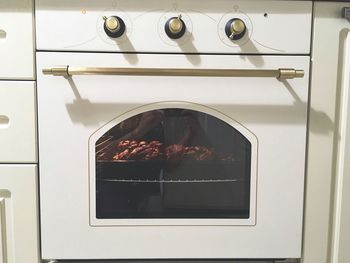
<point>327,205</point>
<point>18,214</point>
<point>341,226</point>
<point>17,122</point>
<point>16,39</point>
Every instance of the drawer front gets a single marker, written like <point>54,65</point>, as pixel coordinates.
<point>18,214</point>
<point>17,122</point>
<point>16,39</point>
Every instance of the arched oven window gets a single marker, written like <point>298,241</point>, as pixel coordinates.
<point>173,163</point>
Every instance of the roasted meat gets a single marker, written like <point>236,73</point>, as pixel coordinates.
<point>133,150</point>
<point>155,150</point>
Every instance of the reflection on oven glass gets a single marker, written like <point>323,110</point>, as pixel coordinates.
<point>173,163</point>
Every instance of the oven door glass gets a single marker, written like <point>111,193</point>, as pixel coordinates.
<point>173,163</point>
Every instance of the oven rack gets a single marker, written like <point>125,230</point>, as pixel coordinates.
<point>170,180</point>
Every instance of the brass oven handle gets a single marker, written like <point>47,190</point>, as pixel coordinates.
<point>281,73</point>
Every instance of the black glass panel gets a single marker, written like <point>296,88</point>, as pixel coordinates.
<point>173,163</point>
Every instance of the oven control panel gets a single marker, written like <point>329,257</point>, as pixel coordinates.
<point>180,26</point>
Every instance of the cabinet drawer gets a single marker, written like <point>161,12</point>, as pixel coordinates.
<point>18,214</point>
<point>16,39</point>
<point>17,122</point>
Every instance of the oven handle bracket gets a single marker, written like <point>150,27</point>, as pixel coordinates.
<point>281,73</point>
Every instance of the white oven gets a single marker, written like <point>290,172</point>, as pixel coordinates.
<point>172,137</point>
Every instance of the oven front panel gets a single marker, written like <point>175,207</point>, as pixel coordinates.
<point>224,173</point>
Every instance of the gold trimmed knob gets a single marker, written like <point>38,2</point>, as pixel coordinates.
<point>112,23</point>
<point>235,29</point>
<point>114,26</point>
<point>175,27</point>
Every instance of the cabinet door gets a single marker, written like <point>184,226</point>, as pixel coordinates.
<point>17,122</point>
<point>325,138</point>
<point>327,214</point>
<point>18,214</point>
<point>16,39</point>
<point>341,228</point>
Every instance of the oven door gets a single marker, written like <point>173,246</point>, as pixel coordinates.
<point>145,162</point>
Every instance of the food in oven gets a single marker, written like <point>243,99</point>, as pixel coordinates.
<point>155,150</point>
<point>133,150</point>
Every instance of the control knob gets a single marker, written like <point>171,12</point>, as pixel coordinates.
<point>175,27</point>
<point>235,29</point>
<point>114,26</point>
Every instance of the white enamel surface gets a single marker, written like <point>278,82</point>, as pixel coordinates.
<point>18,214</point>
<point>71,110</point>
<point>17,122</point>
<point>78,26</point>
<point>16,39</point>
